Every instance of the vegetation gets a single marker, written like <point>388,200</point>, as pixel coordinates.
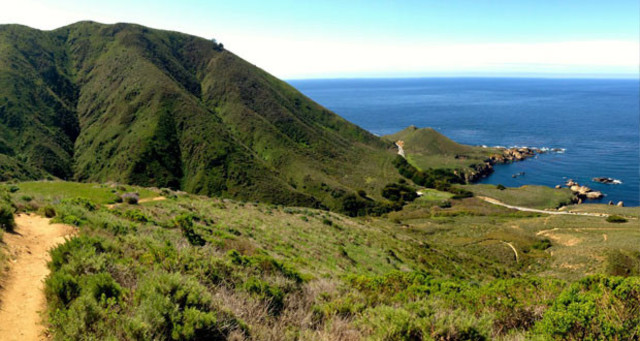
<point>130,104</point>
<point>616,219</point>
<point>356,254</point>
<point>540,197</point>
<point>191,267</point>
<point>426,148</point>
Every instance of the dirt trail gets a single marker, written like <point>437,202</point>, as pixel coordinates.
<point>22,298</point>
<point>526,209</point>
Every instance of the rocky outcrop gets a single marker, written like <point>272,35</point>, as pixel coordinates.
<point>608,181</point>
<point>481,170</point>
<point>583,192</point>
<point>478,171</point>
<point>514,154</point>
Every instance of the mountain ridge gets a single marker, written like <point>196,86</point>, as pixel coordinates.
<point>126,103</point>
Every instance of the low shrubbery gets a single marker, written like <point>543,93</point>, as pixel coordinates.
<point>7,221</point>
<point>616,219</point>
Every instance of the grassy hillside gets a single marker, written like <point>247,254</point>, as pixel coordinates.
<point>426,148</point>
<point>540,197</point>
<point>126,103</point>
<point>191,267</point>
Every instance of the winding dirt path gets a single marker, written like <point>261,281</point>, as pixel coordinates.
<point>22,298</point>
<point>526,209</point>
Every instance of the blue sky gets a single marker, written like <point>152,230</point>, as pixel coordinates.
<point>376,38</point>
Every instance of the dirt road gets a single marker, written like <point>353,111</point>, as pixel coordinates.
<point>22,299</point>
<point>526,209</point>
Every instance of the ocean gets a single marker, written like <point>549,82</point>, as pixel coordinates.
<point>595,121</point>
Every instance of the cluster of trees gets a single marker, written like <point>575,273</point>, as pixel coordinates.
<point>440,179</point>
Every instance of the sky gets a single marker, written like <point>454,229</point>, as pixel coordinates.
<point>385,38</point>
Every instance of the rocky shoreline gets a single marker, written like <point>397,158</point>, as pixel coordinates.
<point>508,155</point>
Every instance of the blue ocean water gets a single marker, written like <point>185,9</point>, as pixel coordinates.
<point>596,121</point>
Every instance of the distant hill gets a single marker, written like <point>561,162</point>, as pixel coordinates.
<point>428,141</point>
<point>426,148</point>
<point>130,104</point>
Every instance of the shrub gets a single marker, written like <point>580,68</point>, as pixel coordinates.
<point>327,221</point>
<point>14,189</point>
<point>26,198</point>
<point>102,286</point>
<point>362,193</point>
<point>595,308</point>
<point>82,202</point>
<point>130,198</point>
<point>399,192</point>
<point>542,244</point>
<point>7,221</point>
<point>459,193</point>
<point>136,215</point>
<point>185,223</point>
<point>173,306</point>
<point>388,323</point>
<point>273,295</point>
<point>501,187</point>
<point>49,211</point>
<point>616,219</point>
<point>61,288</point>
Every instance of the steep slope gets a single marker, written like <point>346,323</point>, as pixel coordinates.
<point>131,104</point>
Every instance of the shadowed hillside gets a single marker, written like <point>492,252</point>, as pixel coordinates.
<point>126,103</point>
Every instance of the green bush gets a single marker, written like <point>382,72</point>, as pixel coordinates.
<point>176,307</point>
<point>500,187</point>
<point>136,215</point>
<point>542,244</point>
<point>595,308</point>
<point>49,211</point>
<point>7,222</point>
<point>273,295</point>
<point>26,198</point>
<point>81,202</point>
<point>185,223</point>
<point>399,192</point>
<point>61,288</point>
<point>14,189</point>
<point>616,219</point>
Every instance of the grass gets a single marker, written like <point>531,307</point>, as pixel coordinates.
<point>426,148</point>
<point>97,193</point>
<point>540,197</point>
<point>256,270</point>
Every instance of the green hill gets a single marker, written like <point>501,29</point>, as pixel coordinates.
<point>130,104</point>
<point>428,141</point>
<point>426,148</point>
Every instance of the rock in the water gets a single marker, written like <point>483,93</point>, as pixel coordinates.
<point>620,203</point>
<point>608,181</point>
<point>610,203</point>
<point>571,183</point>
<point>594,195</point>
<point>558,186</point>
